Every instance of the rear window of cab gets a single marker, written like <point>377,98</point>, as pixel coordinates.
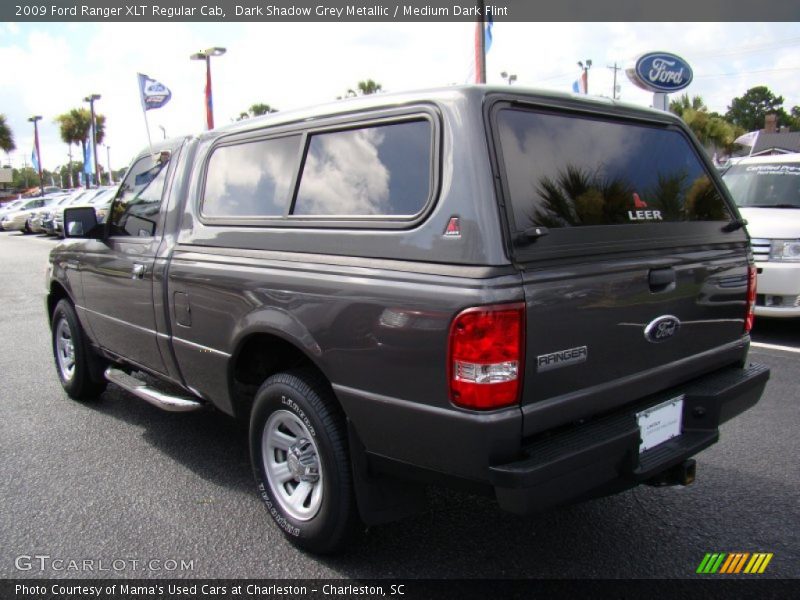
<point>566,171</point>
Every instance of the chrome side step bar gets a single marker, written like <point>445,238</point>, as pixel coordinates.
<point>140,389</point>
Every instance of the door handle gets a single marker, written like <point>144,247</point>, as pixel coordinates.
<point>139,270</point>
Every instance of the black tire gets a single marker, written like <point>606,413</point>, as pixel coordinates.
<point>304,396</point>
<point>26,230</point>
<point>86,381</point>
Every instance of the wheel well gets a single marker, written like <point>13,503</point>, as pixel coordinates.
<point>57,293</point>
<point>260,356</point>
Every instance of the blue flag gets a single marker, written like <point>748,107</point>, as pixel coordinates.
<point>88,158</point>
<point>153,93</point>
<point>35,159</point>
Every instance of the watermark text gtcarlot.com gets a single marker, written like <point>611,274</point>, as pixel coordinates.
<point>46,563</point>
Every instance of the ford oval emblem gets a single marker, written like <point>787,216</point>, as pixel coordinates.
<point>662,72</point>
<point>661,329</point>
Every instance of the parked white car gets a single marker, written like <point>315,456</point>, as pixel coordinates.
<point>767,191</point>
<point>17,220</point>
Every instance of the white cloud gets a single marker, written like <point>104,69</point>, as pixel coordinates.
<point>52,67</point>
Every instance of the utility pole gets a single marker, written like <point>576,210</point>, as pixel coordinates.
<point>614,90</point>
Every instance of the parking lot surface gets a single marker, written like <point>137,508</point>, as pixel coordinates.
<point>119,480</point>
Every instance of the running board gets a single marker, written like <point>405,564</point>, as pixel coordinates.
<point>140,389</point>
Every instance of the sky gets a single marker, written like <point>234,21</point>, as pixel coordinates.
<point>48,68</point>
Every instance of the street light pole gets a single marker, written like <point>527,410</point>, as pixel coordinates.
<point>90,99</point>
<point>586,68</point>
<point>35,120</point>
<point>206,56</point>
<point>509,78</point>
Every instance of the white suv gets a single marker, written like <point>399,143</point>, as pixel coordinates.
<point>767,191</point>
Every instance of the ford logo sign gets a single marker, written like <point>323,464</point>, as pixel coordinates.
<point>662,72</point>
<point>661,329</point>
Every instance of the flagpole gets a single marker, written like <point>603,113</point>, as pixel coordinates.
<point>147,128</point>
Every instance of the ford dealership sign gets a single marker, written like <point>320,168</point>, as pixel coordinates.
<point>661,72</point>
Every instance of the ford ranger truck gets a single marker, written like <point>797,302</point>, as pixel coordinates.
<point>540,296</point>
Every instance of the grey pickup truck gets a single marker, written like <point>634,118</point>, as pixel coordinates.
<point>539,296</point>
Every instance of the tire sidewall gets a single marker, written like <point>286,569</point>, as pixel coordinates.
<point>278,394</point>
<point>77,385</point>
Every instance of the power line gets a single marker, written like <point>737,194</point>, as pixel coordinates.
<point>746,72</point>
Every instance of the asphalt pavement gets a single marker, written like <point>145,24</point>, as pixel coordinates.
<point>144,493</point>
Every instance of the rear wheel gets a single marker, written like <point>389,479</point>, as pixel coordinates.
<point>298,445</point>
<point>78,368</point>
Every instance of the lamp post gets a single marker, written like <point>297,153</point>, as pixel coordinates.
<point>509,78</point>
<point>586,68</point>
<point>35,120</point>
<point>108,162</point>
<point>90,99</point>
<point>206,56</point>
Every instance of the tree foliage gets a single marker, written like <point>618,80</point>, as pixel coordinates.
<point>364,88</point>
<point>6,136</point>
<point>749,110</point>
<point>75,125</point>
<point>256,110</point>
<point>711,129</point>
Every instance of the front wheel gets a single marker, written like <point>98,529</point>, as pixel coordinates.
<point>298,445</point>
<point>79,370</point>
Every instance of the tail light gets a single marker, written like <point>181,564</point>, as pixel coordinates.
<point>485,356</point>
<point>751,299</point>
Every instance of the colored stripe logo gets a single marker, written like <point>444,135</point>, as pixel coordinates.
<point>734,563</point>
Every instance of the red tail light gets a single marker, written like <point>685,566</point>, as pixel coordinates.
<point>485,358</point>
<point>751,299</point>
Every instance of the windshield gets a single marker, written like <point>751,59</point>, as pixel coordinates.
<point>765,185</point>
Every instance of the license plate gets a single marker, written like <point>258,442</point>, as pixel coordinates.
<point>660,423</point>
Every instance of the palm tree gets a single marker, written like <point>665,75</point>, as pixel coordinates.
<point>710,128</point>
<point>364,88</point>
<point>683,103</point>
<point>74,127</point>
<point>579,197</point>
<point>256,110</point>
<point>6,137</point>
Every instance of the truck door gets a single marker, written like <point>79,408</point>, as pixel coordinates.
<point>118,275</point>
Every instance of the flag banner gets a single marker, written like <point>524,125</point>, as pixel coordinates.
<point>35,159</point>
<point>88,159</point>
<point>579,85</point>
<point>209,101</point>
<point>154,94</point>
<point>748,139</point>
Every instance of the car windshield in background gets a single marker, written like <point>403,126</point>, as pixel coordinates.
<point>103,197</point>
<point>765,185</point>
<point>566,171</point>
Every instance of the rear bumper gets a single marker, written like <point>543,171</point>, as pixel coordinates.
<point>602,455</point>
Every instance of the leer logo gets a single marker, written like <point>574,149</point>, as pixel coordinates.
<point>734,563</point>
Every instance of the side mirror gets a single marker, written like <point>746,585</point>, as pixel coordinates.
<point>81,222</point>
